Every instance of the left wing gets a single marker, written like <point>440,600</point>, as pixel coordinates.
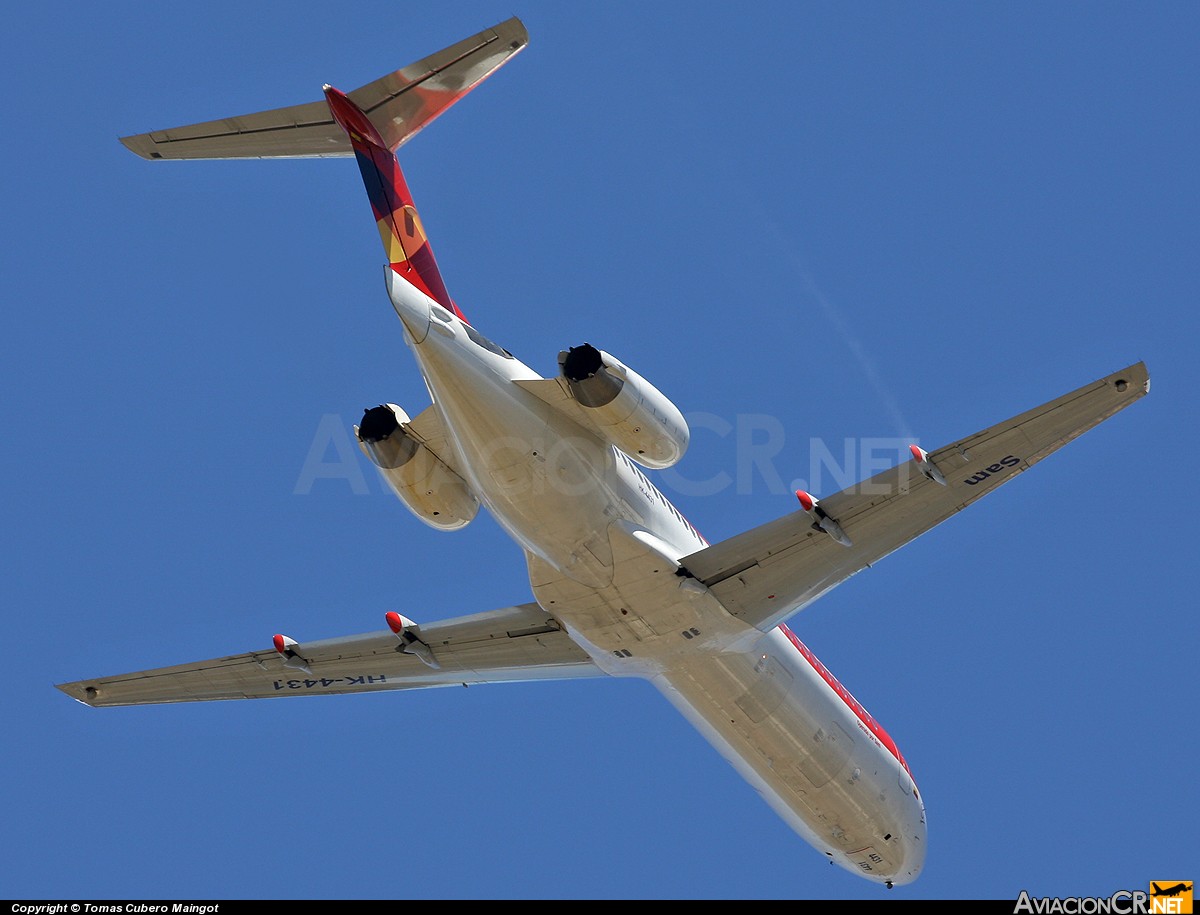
<point>512,644</point>
<point>768,573</point>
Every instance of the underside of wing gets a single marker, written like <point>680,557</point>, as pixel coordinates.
<point>766,574</point>
<point>399,105</point>
<point>512,644</point>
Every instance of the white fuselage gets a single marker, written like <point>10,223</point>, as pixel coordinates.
<point>603,545</point>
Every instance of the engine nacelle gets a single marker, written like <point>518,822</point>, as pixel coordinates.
<point>427,487</point>
<point>626,408</point>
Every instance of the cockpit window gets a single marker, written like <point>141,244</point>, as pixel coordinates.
<point>480,340</point>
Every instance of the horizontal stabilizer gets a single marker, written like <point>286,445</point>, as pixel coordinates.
<point>399,105</point>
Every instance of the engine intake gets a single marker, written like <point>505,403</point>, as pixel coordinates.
<point>419,478</point>
<point>378,434</point>
<point>592,384</point>
<point>624,407</point>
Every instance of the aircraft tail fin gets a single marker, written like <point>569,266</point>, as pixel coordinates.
<point>370,123</point>
<point>399,104</point>
<point>404,240</point>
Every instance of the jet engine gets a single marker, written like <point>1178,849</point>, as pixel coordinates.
<point>624,407</point>
<point>422,481</point>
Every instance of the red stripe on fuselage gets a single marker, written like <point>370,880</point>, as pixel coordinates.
<point>851,703</point>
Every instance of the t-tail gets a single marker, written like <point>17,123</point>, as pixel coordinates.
<point>370,123</point>
<point>403,236</point>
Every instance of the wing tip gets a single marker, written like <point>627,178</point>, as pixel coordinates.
<point>82,692</point>
<point>514,30</point>
<point>142,145</point>
<point>1136,376</point>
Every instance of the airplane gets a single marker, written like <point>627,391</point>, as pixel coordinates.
<point>1156,890</point>
<point>622,584</point>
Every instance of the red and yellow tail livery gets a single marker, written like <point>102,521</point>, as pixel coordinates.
<point>400,229</point>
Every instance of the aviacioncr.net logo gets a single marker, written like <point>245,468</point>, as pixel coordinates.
<point>1171,897</point>
<point>1165,897</point>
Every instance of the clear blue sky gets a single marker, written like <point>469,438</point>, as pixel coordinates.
<point>808,223</point>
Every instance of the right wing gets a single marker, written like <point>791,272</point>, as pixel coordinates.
<point>512,644</point>
<point>399,105</point>
<point>766,574</point>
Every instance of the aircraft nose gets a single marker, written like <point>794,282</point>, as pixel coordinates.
<point>909,862</point>
<point>914,847</point>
